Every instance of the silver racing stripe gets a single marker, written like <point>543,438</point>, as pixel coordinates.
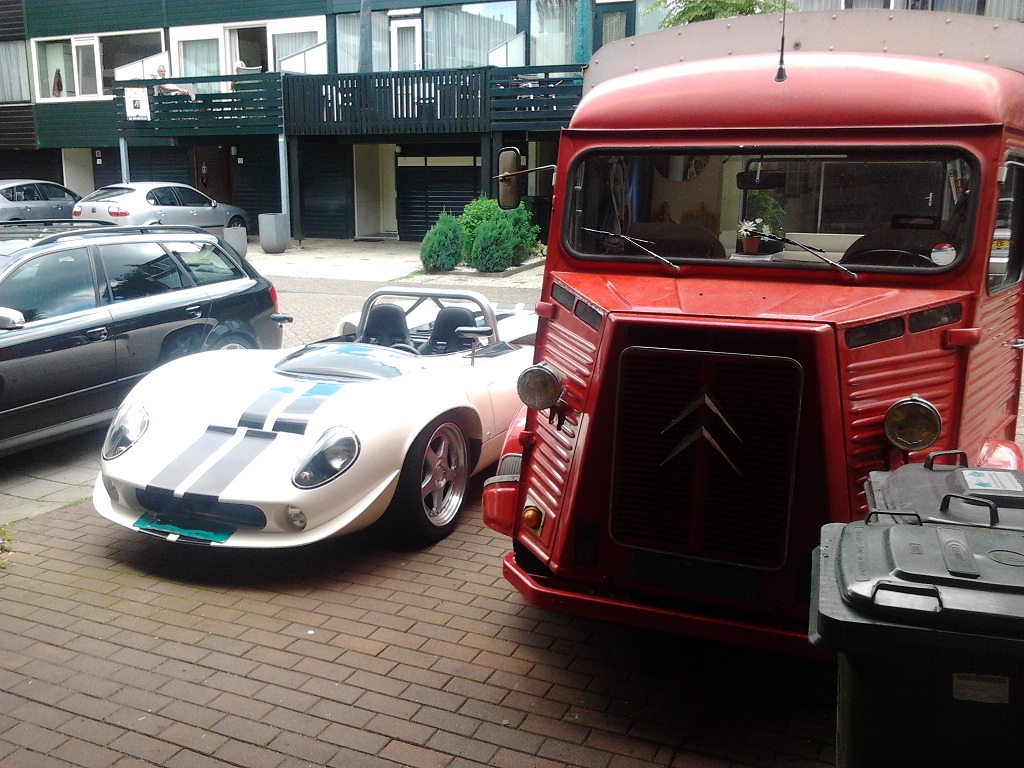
<point>230,465</point>
<point>255,416</point>
<point>211,441</point>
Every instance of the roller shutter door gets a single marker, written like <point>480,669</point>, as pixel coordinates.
<point>425,191</point>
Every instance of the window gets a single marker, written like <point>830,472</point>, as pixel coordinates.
<point>189,196</point>
<point>895,211</point>
<point>206,264</point>
<point>551,31</point>
<point>88,66</point>
<point>51,285</point>
<point>464,35</point>
<point>137,270</point>
<point>55,192</point>
<point>201,58</point>
<point>1005,254</point>
<point>14,78</point>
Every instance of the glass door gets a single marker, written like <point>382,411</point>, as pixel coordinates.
<point>406,44</point>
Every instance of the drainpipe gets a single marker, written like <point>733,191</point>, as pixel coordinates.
<point>282,164</point>
<point>122,145</point>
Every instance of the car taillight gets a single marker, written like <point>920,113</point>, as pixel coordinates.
<point>273,297</point>
<point>116,210</point>
<point>77,211</point>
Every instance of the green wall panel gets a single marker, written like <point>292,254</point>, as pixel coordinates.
<point>45,18</point>
<point>83,124</point>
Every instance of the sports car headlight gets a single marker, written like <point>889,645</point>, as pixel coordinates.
<point>129,424</point>
<point>912,424</point>
<point>539,386</point>
<point>335,452</point>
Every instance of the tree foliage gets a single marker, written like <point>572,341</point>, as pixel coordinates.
<point>686,11</point>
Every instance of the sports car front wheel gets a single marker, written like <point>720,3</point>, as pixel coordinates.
<point>433,483</point>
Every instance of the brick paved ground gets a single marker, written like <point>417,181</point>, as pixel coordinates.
<point>120,650</point>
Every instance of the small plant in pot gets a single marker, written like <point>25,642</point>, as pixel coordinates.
<point>750,232</point>
<point>765,219</point>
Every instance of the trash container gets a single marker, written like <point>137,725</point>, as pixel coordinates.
<point>275,232</point>
<point>927,619</point>
<point>237,238</point>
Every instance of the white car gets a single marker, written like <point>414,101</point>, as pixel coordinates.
<point>267,449</point>
<point>140,203</point>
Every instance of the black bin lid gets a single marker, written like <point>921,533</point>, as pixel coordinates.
<point>951,576</point>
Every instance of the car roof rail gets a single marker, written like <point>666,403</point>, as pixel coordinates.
<point>105,230</point>
<point>22,229</point>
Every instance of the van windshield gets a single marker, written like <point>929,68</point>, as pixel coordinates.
<point>880,212</point>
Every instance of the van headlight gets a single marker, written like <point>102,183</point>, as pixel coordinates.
<point>912,424</point>
<point>333,453</point>
<point>129,425</point>
<point>539,386</point>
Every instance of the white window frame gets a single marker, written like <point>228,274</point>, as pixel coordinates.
<point>76,42</point>
<point>222,33</point>
<point>395,25</point>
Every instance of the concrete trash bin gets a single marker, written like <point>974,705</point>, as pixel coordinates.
<point>928,626</point>
<point>237,238</point>
<point>275,232</point>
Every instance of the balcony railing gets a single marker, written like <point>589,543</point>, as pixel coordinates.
<point>372,103</point>
<point>534,98</point>
<point>431,102</point>
<point>436,101</point>
<point>246,103</point>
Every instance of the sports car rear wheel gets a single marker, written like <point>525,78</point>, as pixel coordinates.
<point>433,483</point>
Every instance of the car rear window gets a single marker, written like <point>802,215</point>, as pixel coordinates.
<point>135,270</point>
<point>107,193</point>
<point>206,263</point>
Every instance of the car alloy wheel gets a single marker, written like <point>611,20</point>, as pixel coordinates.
<point>433,484</point>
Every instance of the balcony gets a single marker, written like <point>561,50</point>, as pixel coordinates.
<point>431,102</point>
<point>247,104</point>
<point>447,101</point>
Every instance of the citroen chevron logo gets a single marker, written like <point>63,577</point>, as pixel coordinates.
<point>704,402</point>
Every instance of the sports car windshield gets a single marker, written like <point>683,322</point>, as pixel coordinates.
<point>348,361</point>
<point>878,212</point>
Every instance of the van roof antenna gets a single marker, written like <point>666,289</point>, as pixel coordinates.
<point>780,74</point>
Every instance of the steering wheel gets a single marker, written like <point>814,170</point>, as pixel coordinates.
<point>405,348</point>
<point>888,257</point>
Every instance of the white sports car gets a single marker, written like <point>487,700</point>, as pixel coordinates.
<point>263,449</point>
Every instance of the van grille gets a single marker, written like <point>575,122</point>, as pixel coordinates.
<point>704,453</point>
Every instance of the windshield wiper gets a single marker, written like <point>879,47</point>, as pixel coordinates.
<point>638,243</point>
<point>818,253</point>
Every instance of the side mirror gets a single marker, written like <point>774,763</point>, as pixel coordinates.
<point>508,178</point>
<point>11,319</point>
<point>760,179</point>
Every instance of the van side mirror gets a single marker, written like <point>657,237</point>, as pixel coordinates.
<point>508,178</point>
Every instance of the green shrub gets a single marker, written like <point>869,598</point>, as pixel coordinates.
<point>473,215</point>
<point>493,246</point>
<point>524,232</point>
<point>441,249</point>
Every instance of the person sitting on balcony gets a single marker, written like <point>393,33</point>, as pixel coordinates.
<point>170,89</point>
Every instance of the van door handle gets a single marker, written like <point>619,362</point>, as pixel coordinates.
<point>96,334</point>
<point>194,311</point>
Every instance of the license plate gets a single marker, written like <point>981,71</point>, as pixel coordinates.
<point>183,529</point>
